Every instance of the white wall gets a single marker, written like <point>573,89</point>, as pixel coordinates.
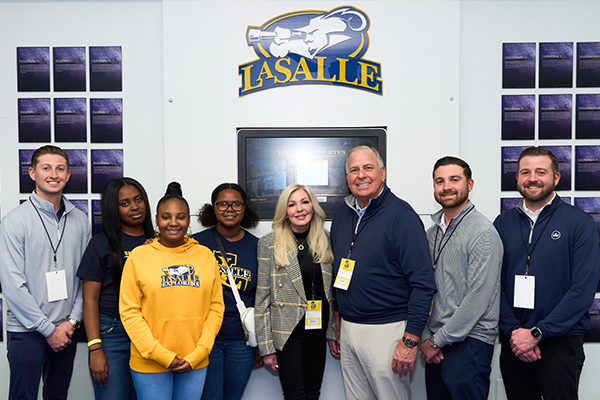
<point>204,42</point>
<point>189,51</point>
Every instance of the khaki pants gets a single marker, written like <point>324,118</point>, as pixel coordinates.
<point>366,361</point>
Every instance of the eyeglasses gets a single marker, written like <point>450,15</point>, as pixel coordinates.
<point>224,206</point>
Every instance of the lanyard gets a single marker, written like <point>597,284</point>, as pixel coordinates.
<point>450,236</point>
<point>529,253</point>
<point>354,233</point>
<point>54,250</point>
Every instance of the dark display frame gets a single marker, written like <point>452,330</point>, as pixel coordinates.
<point>333,145</point>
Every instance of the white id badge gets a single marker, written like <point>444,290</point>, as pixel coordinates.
<point>342,280</point>
<point>56,283</point>
<point>313,315</point>
<point>524,291</point>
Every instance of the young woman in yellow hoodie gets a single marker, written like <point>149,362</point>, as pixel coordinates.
<point>171,306</point>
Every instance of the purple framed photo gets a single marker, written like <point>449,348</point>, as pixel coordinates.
<point>555,118</point>
<point>588,64</point>
<point>556,65</point>
<point>34,120</point>
<point>107,120</point>
<point>106,69</point>
<point>106,166</point>
<point>587,167</point>
<point>78,182</point>
<point>69,69</point>
<point>518,117</point>
<point>70,120</point>
<point>33,69</point>
<point>518,65</point>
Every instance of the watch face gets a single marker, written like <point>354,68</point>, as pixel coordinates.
<point>535,332</point>
<point>432,343</point>
<point>409,343</point>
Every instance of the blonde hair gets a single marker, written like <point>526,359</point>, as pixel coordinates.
<point>285,242</point>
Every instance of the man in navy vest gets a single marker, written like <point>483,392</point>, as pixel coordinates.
<point>550,272</point>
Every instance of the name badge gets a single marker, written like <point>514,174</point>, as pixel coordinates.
<point>524,292</point>
<point>342,280</point>
<point>313,316</point>
<point>56,283</point>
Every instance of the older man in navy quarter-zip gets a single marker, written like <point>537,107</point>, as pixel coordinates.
<point>384,281</point>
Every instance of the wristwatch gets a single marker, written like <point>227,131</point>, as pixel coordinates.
<point>432,343</point>
<point>536,333</point>
<point>76,324</point>
<point>408,342</point>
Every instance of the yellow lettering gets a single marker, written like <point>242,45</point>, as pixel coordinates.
<point>265,70</point>
<point>321,70</point>
<point>283,70</point>
<point>365,76</point>
<point>247,83</point>
<point>343,72</point>
<point>302,69</point>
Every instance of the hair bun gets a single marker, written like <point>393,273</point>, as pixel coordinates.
<point>174,188</point>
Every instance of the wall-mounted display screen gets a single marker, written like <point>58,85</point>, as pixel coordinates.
<point>270,159</point>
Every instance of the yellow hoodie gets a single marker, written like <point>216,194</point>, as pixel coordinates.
<point>171,304</point>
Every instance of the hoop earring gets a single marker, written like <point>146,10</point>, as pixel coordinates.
<point>189,232</point>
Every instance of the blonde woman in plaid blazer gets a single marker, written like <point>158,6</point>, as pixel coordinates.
<point>294,268</point>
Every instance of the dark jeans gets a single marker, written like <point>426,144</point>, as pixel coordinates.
<point>229,367</point>
<point>464,374</point>
<point>29,358</point>
<point>555,376</point>
<point>302,363</point>
<point>117,348</point>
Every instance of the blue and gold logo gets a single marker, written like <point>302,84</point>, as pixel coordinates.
<point>241,276</point>
<point>180,275</point>
<point>311,47</point>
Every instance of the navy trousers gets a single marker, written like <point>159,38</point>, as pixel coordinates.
<point>31,358</point>
<point>555,376</point>
<point>464,374</point>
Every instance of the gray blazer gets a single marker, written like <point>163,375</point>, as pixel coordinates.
<point>280,299</point>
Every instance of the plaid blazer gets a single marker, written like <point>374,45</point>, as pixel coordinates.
<point>280,299</point>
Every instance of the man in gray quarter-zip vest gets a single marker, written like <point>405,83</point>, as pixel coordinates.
<point>458,339</point>
<point>41,244</point>
<point>550,272</point>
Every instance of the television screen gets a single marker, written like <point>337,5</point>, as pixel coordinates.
<point>270,159</point>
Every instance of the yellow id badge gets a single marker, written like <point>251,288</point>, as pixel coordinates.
<point>313,315</point>
<point>342,280</point>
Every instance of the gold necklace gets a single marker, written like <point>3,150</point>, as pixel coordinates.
<point>301,245</point>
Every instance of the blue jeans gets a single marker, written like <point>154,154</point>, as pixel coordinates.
<point>167,385</point>
<point>229,367</point>
<point>31,357</point>
<point>117,348</point>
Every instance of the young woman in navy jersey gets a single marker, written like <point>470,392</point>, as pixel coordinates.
<point>127,224</point>
<point>231,360</point>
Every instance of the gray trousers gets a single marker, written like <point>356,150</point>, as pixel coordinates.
<point>366,361</point>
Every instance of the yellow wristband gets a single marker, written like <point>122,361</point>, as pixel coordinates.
<point>94,341</point>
